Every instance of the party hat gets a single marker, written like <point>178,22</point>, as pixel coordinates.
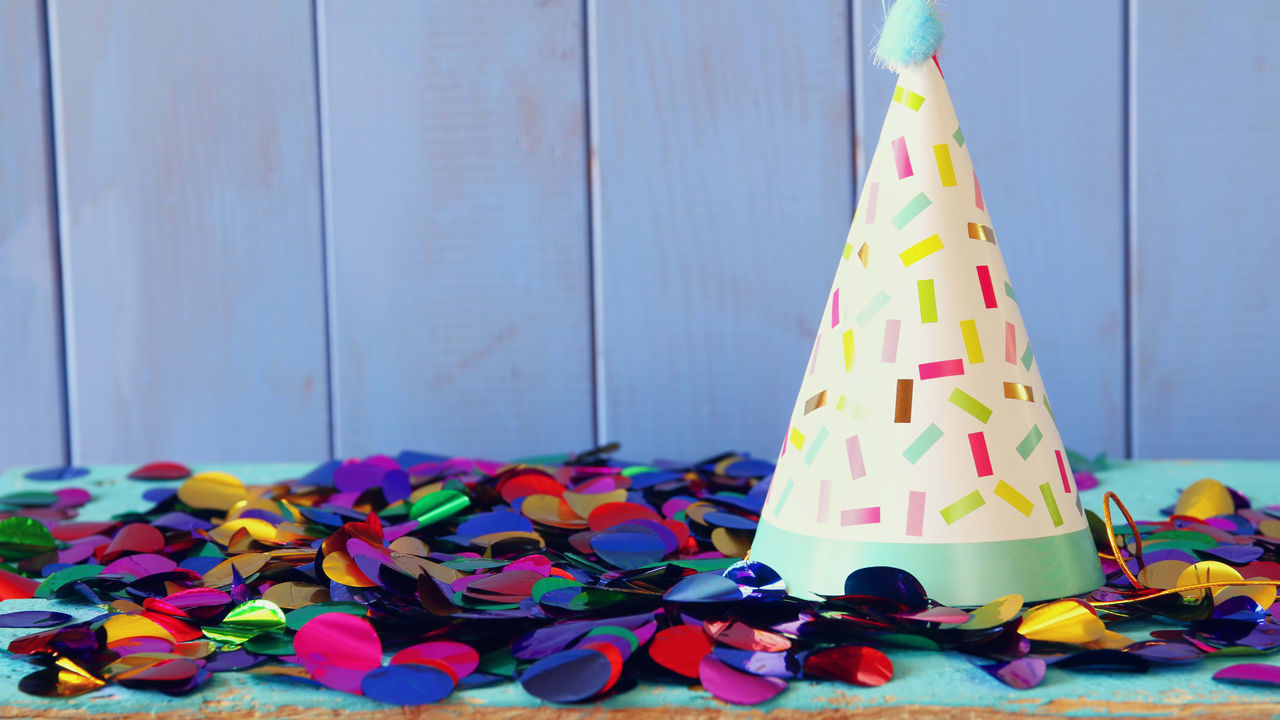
<point>922,437</point>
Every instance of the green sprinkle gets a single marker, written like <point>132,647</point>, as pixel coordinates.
<point>970,404</point>
<point>1029,443</point>
<point>1054,514</point>
<point>921,445</point>
<point>962,507</point>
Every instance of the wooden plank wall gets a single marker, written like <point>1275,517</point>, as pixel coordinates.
<point>251,231</point>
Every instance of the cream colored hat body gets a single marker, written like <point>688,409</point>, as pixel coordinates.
<point>922,436</point>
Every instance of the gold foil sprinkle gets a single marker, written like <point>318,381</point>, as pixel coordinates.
<point>815,402</point>
<point>864,253</point>
<point>982,232</point>
<point>902,409</point>
<point>1018,391</point>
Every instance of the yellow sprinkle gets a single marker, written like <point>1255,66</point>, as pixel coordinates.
<point>920,250</point>
<point>1010,494</point>
<point>969,329</point>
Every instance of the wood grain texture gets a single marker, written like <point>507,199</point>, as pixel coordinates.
<point>1205,252</point>
<point>1039,91</point>
<point>456,137</point>
<point>31,378</point>
<point>723,193</point>
<point>190,199</point>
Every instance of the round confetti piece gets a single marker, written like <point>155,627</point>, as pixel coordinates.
<point>161,470</point>
<point>568,676</point>
<point>212,491</point>
<point>1163,651</point>
<point>57,473</point>
<point>1249,674</point>
<point>296,619</point>
<point>584,503</point>
<point>1019,674</point>
<point>337,650</point>
<point>615,513</point>
<point>231,660</point>
<point>772,664</point>
<point>732,543</point>
<point>853,664</point>
<point>680,648</point>
<point>33,619</point>
<point>526,483</point>
<point>1066,621</point>
<point>1206,571</point>
<point>706,587</point>
<point>735,686</point>
<point>461,659</point>
<point>887,583</point>
<point>738,634</point>
<point>410,684</point>
<point>996,612</point>
<point>1204,499</point>
<point>628,550</point>
<point>494,522</point>
<point>29,499</point>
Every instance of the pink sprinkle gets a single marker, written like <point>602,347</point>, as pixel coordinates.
<point>824,499</point>
<point>835,307</point>
<point>854,447</point>
<point>941,368</point>
<point>988,292</point>
<point>813,359</point>
<point>860,516</point>
<point>915,514</point>
<point>872,195</point>
<point>977,192</point>
<point>1062,470</point>
<point>902,158</point>
<point>1010,344</point>
<point>889,352</point>
<point>981,458</point>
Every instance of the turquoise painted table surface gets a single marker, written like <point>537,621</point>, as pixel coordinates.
<point>925,685</point>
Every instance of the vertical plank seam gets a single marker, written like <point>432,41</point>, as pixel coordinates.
<point>59,227</point>
<point>853,30</point>
<point>319,27</point>
<point>1130,204</point>
<point>595,245</point>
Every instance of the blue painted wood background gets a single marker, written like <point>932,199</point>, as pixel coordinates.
<point>251,231</point>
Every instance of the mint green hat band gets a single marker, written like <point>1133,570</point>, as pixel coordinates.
<point>955,574</point>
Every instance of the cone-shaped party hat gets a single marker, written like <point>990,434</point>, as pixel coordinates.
<point>922,437</point>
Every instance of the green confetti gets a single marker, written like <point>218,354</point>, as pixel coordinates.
<point>23,537</point>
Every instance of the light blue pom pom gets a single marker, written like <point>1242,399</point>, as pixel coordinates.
<point>912,34</point>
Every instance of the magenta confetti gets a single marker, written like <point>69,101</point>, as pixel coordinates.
<point>735,686</point>
<point>338,650</point>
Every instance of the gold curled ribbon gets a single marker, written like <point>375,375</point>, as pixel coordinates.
<point>1107,499</point>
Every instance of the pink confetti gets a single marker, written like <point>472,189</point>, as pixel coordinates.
<point>1062,470</point>
<point>1010,344</point>
<point>873,194</point>
<point>981,458</point>
<point>889,352</point>
<point>461,659</point>
<point>860,516</point>
<point>901,157</point>
<point>941,368</point>
<point>338,650</point>
<point>915,514</point>
<point>977,192</point>
<point>854,447</point>
<point>988,292</point>
<point>813,359</point>
<point>835,307</point>
<point>733,686</point>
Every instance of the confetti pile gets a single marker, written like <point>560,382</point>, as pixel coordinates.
<point>403,579</point>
